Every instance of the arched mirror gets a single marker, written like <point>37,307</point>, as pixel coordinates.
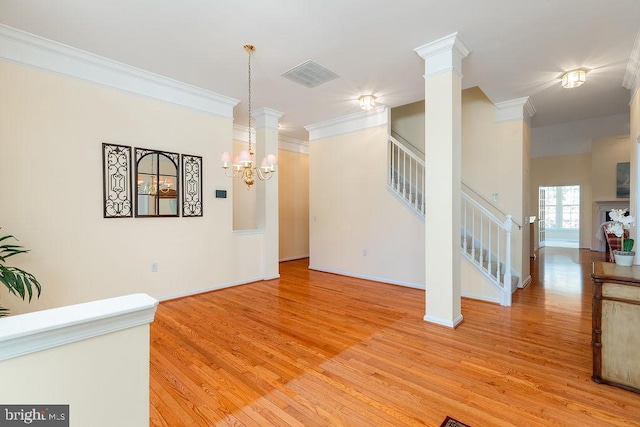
<point>157,183</point>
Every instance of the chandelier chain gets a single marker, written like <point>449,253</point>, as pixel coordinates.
<point>249,105</point>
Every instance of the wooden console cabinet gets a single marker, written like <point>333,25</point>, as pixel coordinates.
<point>616,325</point>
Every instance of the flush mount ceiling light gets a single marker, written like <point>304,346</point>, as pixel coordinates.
<point>574,78</point>
<point>367,102</point>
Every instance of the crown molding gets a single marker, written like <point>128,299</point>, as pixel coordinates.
<point>33,51</point>
<point>515,109</point>
<point>444,54</point>
<point>349,123</point>
<point>631,78</point>
<point>241,133</point>
<point>40,330</point>
<point>292,144</point>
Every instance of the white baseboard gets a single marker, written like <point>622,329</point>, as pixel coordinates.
<point>293,258</point>
<point>525,283</point>
<point>442,322</point>
<point>365,277</point>
<point>213,288</point>
<point>481,298</point>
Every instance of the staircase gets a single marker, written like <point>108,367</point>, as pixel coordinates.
<point>406,175</point>
<point>486,243</point>
<point>485,239</point>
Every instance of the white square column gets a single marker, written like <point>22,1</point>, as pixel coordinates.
<point>443,159</point>
<point>266,125</point>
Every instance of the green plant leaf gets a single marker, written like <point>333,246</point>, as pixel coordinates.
<point>627,245</point>
<point>17,281</point>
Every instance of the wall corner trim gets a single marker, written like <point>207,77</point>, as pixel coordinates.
<point>515,109</point>
<point>631,78</point>
<point>31,332</point>
<point>288,143</point>
<point>349,123</point>
<point>33,51</point>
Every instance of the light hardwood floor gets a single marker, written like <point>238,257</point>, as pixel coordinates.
<point>316,349</point>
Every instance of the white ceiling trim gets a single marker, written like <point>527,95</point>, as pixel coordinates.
<point>515,109</point>
<point>241,133</point>
<point>33,51</point>
<point>631,78</point>
<point>349,123</point>
<point>293,144</point>
<point>444,54</point>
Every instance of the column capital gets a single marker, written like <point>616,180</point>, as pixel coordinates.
<point>515,109</point>
<point>267,117</point>
<point>445,54</point>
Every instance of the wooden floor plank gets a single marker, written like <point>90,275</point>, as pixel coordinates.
<point>317,349</point>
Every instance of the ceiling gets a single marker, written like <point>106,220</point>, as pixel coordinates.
<point>519,48</point>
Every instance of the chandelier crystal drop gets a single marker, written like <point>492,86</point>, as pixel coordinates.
<point>243,166</point>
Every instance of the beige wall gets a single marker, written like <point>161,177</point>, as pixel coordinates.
<point>357,226</point>
<point>605,154</point>
<point>51,131</point>
<point>102,384</point>
<point>294,204</point>
<point>493,161</point>
<point>634,140</point>
<point>526,203</point>
<point>574,169</point>
<point>244,198</point>
<point>408,122</point>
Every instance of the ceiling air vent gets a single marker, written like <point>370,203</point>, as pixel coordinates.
<point>310,74</point>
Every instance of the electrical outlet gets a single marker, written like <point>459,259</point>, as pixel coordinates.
<point>495,197</point>
<point>154,267</point>
<point>364,252</point>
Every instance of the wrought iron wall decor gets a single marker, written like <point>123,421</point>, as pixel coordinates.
<point>157,189</point>
<point>191,185</point>
<point>116,181</point>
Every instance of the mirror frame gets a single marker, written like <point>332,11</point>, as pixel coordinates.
<point>175,159</point>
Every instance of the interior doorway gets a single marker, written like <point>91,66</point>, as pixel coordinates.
<point>559,216</point>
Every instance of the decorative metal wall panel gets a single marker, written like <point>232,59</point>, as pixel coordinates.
<point>191,185</point>
<point>116,181</point>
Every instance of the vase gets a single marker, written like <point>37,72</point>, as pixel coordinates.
<point>624,258</point>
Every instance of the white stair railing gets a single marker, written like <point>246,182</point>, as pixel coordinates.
<point>406,175</point>
<point>486,242</point>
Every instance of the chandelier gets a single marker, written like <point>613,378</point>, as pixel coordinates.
<point>243,166</point>
<point>153,186</point>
